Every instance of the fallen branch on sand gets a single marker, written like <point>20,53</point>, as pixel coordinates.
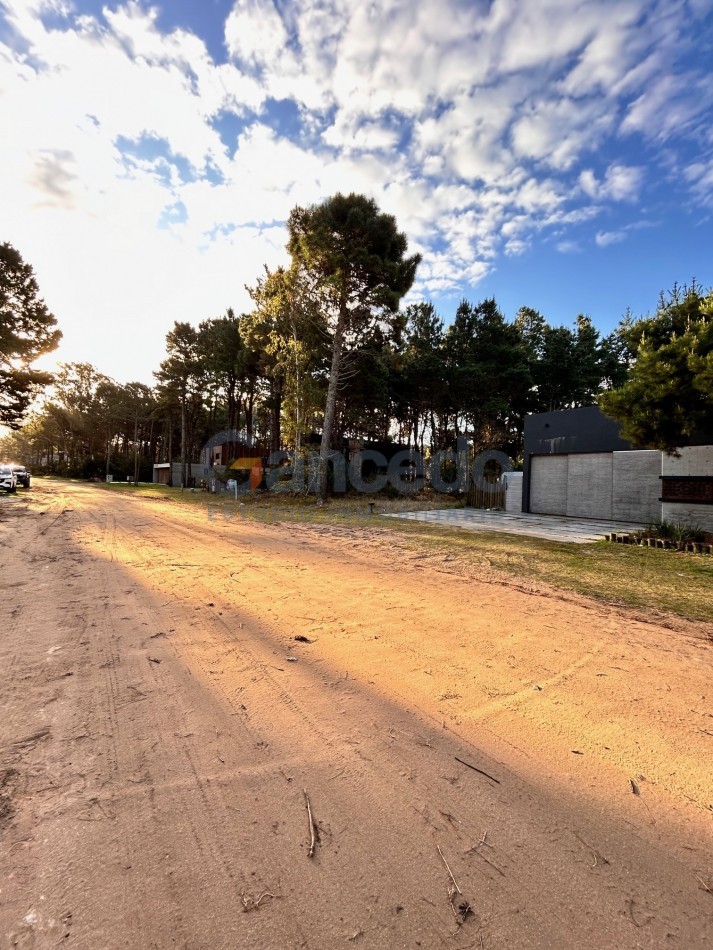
<point>598,856</point>
<point>310,853</point>
<point>450,873</point>
<point>462,908</point>
<point>479,771</point>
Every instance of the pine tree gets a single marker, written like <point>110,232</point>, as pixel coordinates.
<point>27,331</point>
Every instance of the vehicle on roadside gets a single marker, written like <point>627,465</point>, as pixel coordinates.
<point>8,479</point>
<point>22,475</point>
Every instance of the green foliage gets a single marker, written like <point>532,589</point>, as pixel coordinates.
<point>483,374</point>
<point>353,259</point>
<point>325,347</point>
<point>183,378</point>
<point>88,416</point>
<point>489,373</point>
<point>419,380</point>
<point>289,337</point>
<point>27,331</point>
<point>568,367</point>
<point>677,531</point>
<point>365,396</point>
<point>668,398</point>
<point>233,367</point>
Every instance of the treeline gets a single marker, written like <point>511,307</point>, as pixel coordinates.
<point>328,353</point>
<point>266,372</point>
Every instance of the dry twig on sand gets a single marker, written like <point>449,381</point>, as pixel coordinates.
<point>461,908</point>
<point>637,791</point>
<point>253,903</point>
<point>595,854</point>
<point>450,873</point>
<point>310,853</point>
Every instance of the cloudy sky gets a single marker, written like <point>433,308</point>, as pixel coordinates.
<point>555,153</point>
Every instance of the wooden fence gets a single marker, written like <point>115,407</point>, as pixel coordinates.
<point>492,497</point>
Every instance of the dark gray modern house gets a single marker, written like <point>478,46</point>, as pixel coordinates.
<point>578,465</point>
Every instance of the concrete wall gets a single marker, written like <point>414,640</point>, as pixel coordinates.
<point>589,485</point>
<point>697,516</point>
<point>695,460</point>
<point>616,486</point>
<point>636,486</point>
<point>548,484</point>
<point>513,491</point>
<point>567,431</point>
<point>574,456</point>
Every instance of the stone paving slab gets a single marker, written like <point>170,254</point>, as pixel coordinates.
<point>551,527</point>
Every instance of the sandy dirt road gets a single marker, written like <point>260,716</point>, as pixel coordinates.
<point>160,724</point>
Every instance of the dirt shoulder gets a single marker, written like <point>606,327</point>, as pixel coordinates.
<point>174,684</point>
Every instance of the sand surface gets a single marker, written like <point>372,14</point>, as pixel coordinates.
<point>162,731</point>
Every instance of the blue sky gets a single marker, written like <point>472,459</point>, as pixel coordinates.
<point>556,153</point>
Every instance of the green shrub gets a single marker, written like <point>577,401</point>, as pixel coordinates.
<point>677,531</point>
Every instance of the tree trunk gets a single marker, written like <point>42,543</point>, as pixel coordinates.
<point>298,415</point>
<point>331,403</point>
<point>232,419</point>
<point>108,457</point>
<point>136,450</point>
<point>151,447</point>
<point>276,420</point>
<point>183,442</point>
<point>249,412</point>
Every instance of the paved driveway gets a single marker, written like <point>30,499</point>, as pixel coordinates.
<point>552,527</point>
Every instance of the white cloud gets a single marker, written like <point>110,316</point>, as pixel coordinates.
<point>558,131</point>
<point>477,124</point>
<point>366,136</point>
<point>542,33</point>
<point>670,105</point>
<point>700,177</point>
<point>605,238</point>
<point>515,247</point>
<point>620,183</point>
<point>569,247</point>
<point>255,33</point>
